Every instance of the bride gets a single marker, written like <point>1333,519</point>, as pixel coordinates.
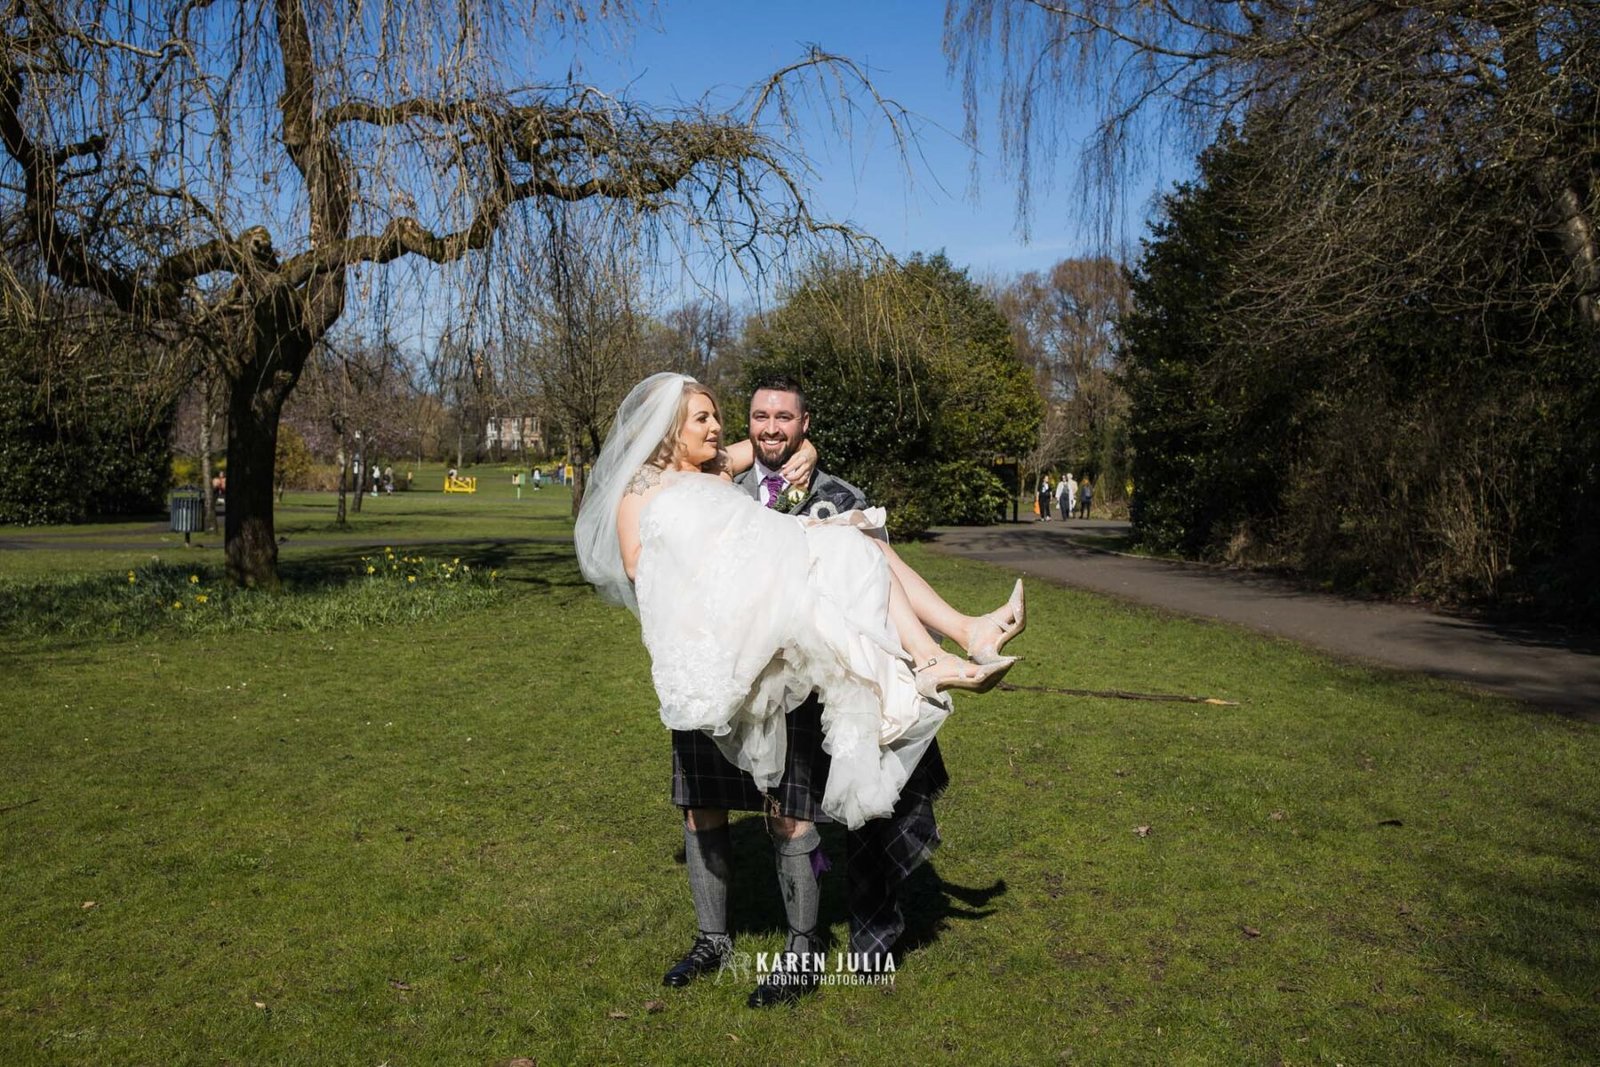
<point>745,611</point>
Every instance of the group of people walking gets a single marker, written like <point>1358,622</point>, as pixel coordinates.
<point>1074,499</point>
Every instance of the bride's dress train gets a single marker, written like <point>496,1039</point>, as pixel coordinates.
<point>746,611</point>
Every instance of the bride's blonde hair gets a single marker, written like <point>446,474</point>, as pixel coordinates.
<point>669,444</point>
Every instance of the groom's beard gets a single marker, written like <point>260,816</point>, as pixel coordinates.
<point>775,454</point>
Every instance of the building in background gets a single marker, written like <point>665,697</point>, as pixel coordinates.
<point>518,435</point>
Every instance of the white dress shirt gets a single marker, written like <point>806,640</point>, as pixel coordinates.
<point>761,473</point>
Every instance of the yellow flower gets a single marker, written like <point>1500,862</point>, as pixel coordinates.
<point>200,598</point>
<point>371,569</point>
<point>177,603</point>
<point>455,561</point>
<point>130,578</point>
<point>411,577</point>
<point>194,579</point>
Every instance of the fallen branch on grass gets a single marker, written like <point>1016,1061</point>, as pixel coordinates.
<point>1120,694</point>
<point>25,803</point>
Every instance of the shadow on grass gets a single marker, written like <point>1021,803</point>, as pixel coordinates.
<point>1529,939</point>
<point>336,588</point>
<point>931,903</point>
<point>519,561</point>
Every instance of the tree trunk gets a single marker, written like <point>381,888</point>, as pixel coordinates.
<point>208,420</point>
<point>252,544</point>
<point>580,477</point>
<point>580,482</point>
<point>343,459</point>
<point>1575,231</point>
<point>358,482</point>
<point>256,390</point>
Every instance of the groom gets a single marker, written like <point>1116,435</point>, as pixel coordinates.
<point>880,855</point>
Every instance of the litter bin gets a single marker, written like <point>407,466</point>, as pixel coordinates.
<point>188,509</point>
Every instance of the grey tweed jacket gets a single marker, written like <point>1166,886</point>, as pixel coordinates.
<point>824,487</point>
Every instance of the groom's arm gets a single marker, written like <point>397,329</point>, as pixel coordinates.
<point>741,456</point>
<point>838,492</point>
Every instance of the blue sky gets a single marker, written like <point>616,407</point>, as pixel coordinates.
<point>686,50</point>
<point>689,48</point>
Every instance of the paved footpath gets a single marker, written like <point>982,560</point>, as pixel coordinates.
<point>1546,668</point>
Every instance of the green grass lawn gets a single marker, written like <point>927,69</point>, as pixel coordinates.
<point>306,526</point>
<point>449,841</point>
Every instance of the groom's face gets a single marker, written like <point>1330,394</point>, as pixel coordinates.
<point>777,425</point>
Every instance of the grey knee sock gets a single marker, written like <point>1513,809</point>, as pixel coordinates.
<point>709,857</point>
<point>801,895</point>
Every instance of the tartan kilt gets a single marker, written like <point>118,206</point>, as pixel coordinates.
<point>702,777</point>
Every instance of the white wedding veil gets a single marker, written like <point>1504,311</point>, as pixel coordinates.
<point>643,420</point>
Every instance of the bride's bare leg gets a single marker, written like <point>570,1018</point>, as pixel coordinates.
<point>913,634</point>
<point>935,668</point>
<point>933,611</point>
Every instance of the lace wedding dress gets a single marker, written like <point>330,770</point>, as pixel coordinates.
<point>746,612</point>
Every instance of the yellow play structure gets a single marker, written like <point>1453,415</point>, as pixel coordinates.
<point>455,483</point>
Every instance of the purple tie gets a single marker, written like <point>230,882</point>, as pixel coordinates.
<point>774,486</point>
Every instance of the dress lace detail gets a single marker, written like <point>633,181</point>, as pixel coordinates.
<point>746,612</point>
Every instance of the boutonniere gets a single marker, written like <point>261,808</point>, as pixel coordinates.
<point>791,499</point>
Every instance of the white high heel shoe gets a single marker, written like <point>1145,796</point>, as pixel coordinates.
<point>985,646</point>
<point>979,678</point>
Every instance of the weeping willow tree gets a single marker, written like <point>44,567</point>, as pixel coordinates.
<point>1382,111</point>
<point>227,175</point>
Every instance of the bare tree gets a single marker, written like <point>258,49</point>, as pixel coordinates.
<point>697,337</point>
<point>579,346</point>
<point>220,172</point>
<point>1064,323</point>
<point>355,389</point>
<point>1374,105</point>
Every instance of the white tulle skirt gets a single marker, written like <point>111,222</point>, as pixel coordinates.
<point>746,612</point>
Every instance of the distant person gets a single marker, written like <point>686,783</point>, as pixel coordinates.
<point>1085,497</point>
<point>1044,499</point>
<point>538,478</point>
<point>1063,502</point>
<point>388,480</point>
